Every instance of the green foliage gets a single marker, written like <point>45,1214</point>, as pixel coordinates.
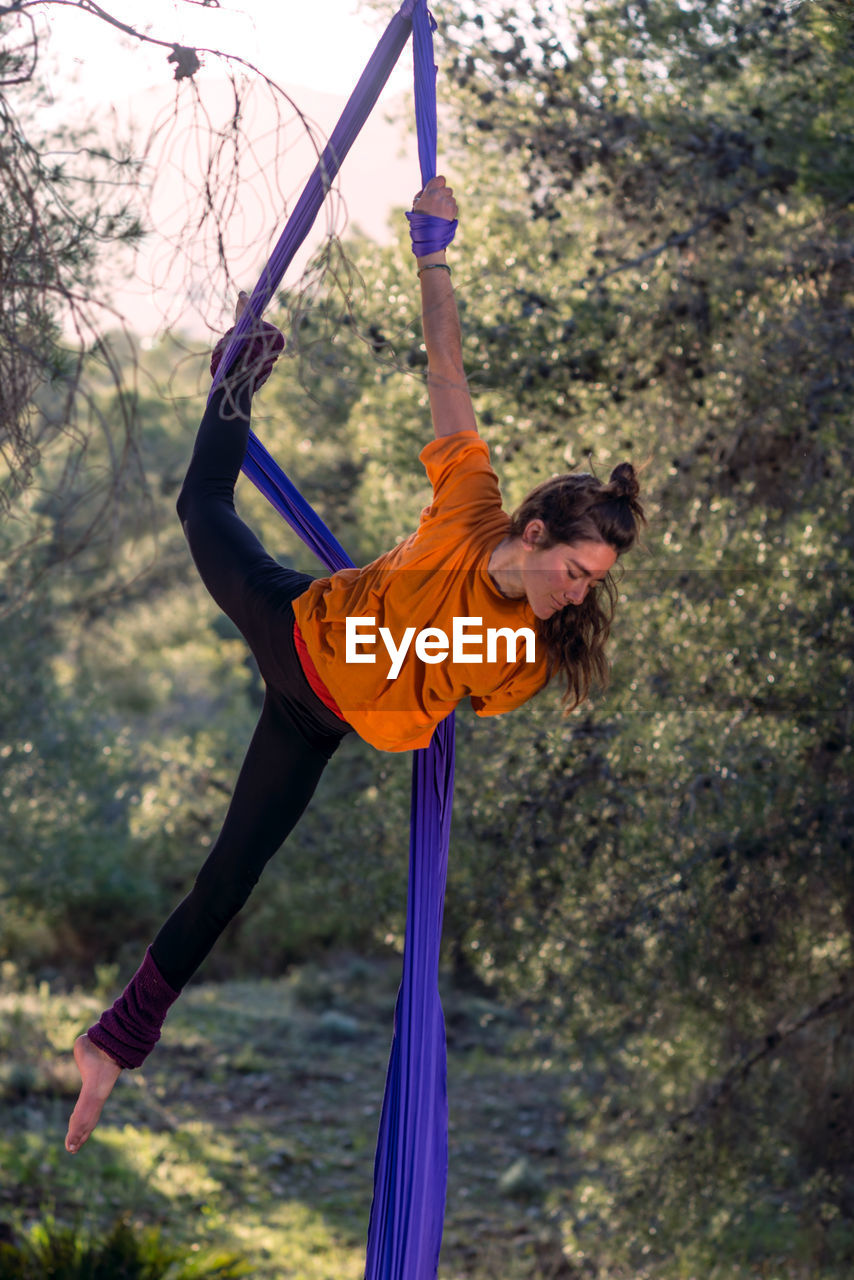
<point>67,211</point>
<point>63,1254</point>
<point>659,267</point>
<point>126,716</point>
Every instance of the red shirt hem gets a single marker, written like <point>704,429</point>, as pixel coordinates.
<point>314,680</point>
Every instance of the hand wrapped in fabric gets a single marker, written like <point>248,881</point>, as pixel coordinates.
<point>261,349</point>
<point>433,220</point>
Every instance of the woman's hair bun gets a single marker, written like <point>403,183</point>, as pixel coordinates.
<point>623,481</point>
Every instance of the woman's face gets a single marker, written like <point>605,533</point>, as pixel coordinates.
<point>554,577</point>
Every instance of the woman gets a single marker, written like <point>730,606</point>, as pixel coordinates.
<point>539,577</point>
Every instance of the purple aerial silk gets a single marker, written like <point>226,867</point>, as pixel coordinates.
<point>411,1165</point>
<point>428,233</point>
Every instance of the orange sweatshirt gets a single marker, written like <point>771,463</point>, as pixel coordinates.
<point>438,574</point>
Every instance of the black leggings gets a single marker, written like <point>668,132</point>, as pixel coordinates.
<point>295,735</point>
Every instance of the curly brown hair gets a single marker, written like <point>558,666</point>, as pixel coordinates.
<point>578,507</point>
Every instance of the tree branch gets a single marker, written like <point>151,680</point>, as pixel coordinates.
<point>739,1071</point>
<point>681,237</point>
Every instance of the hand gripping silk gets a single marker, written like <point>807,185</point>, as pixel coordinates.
<point>410,1172</point>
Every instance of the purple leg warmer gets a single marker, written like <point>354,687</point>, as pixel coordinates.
<point>130,1030</point>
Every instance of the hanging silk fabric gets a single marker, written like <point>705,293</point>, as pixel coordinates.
<point>410,1172</point>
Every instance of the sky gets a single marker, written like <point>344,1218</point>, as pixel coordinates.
<point>315,49</point>
<point>322,44</point>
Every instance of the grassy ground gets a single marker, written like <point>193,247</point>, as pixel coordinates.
<point>253,1127</point>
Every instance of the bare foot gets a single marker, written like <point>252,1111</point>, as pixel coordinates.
<point>99,1073</point>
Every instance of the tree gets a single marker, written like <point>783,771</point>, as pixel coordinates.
<point>74,208</point>
<point>657,263</point>
<point>65,201</point>
<point>94,437</point>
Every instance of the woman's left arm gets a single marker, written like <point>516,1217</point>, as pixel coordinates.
<point>450,400</point>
